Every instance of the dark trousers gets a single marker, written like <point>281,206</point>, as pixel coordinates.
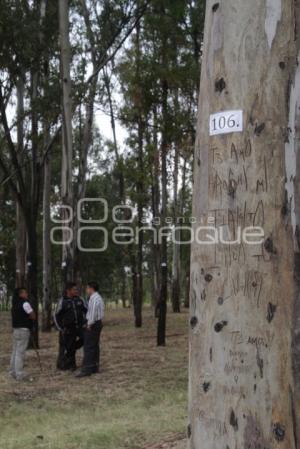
<point>91,359</point>
<point>69,342</point>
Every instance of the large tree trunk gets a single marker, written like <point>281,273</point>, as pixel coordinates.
<point>241,391</point>
<point>67,140</point>
<point>293,201</point>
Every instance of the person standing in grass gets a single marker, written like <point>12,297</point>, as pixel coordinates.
<point>69,318</point>
<point>95,315</point>
<point>23,317</point>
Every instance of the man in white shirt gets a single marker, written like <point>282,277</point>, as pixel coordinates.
<point>23,317</point>
<point>95,315</point>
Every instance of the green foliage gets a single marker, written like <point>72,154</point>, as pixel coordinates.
<point>164,49</point>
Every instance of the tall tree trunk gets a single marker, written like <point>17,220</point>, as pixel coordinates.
<point>293,197</point>
<point>162,305</point>
<point>47,266</point>
<point>67,140</point>
<point>182,212</point>
<point>140,200</point>
<point>139,294</point>
<point>32,270</point>
<point>176,246</point>
<point>33,203</point>
<point>47,260</point>
<point>134,287</point>
<point>83,168</point>
<point>20,248</point>
<point>155,193</point>
<point>120,176</point>
<point>123,287</point>
<point>163,297</point>
<point>20,221</point>
<point>187,289</point>
<point>87,134</point>
<point>241,391</point>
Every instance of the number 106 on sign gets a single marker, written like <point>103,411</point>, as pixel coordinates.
<point>226,122</point>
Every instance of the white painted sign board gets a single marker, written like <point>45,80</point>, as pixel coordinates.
<point>226,122</point>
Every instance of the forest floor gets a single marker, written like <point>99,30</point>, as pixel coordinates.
<point>138,401</point>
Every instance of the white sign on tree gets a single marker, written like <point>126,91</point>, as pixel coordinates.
<point>226,122</point>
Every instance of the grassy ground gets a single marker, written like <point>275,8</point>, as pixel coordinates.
<point>137,401</point>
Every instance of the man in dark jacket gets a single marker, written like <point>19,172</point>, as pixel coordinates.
<point>23,317</point>
<point>70,318</point>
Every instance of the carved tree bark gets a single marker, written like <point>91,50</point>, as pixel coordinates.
<point>242,392</point>
<point>292,151</point>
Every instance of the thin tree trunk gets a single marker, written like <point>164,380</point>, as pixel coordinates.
<point>120,176</point>
<point>20,222</point>
<point>176,246</point>
<point>20,248</point>
<point>87,134</point>
<point>32,272</point>
<point>140,192</point>
<point>241,391</point>
<point>163,297</point>
<point>139,294</point>
<point>123,289</point>
<point>182,211</point>
<point>187,289</point>
<point>134,286</point>
<point>67,139</point>
<point>162,305</point>
<point>83,168</point>
<point>47,266</point>
<point>155,188</point>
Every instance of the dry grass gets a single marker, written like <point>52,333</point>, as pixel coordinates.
<point>137,401</point>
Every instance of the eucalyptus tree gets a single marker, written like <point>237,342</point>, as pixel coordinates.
<point>244,299</point>
<point>28,36</point>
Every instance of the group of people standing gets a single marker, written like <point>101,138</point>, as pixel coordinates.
<point>79,323</point>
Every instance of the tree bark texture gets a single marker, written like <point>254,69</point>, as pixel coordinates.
<point>242,389</point>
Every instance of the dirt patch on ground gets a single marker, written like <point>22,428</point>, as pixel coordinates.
<point>131,365</point>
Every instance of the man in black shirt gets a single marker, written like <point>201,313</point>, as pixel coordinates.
<point>22,321</point>
<point>70,318</point>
